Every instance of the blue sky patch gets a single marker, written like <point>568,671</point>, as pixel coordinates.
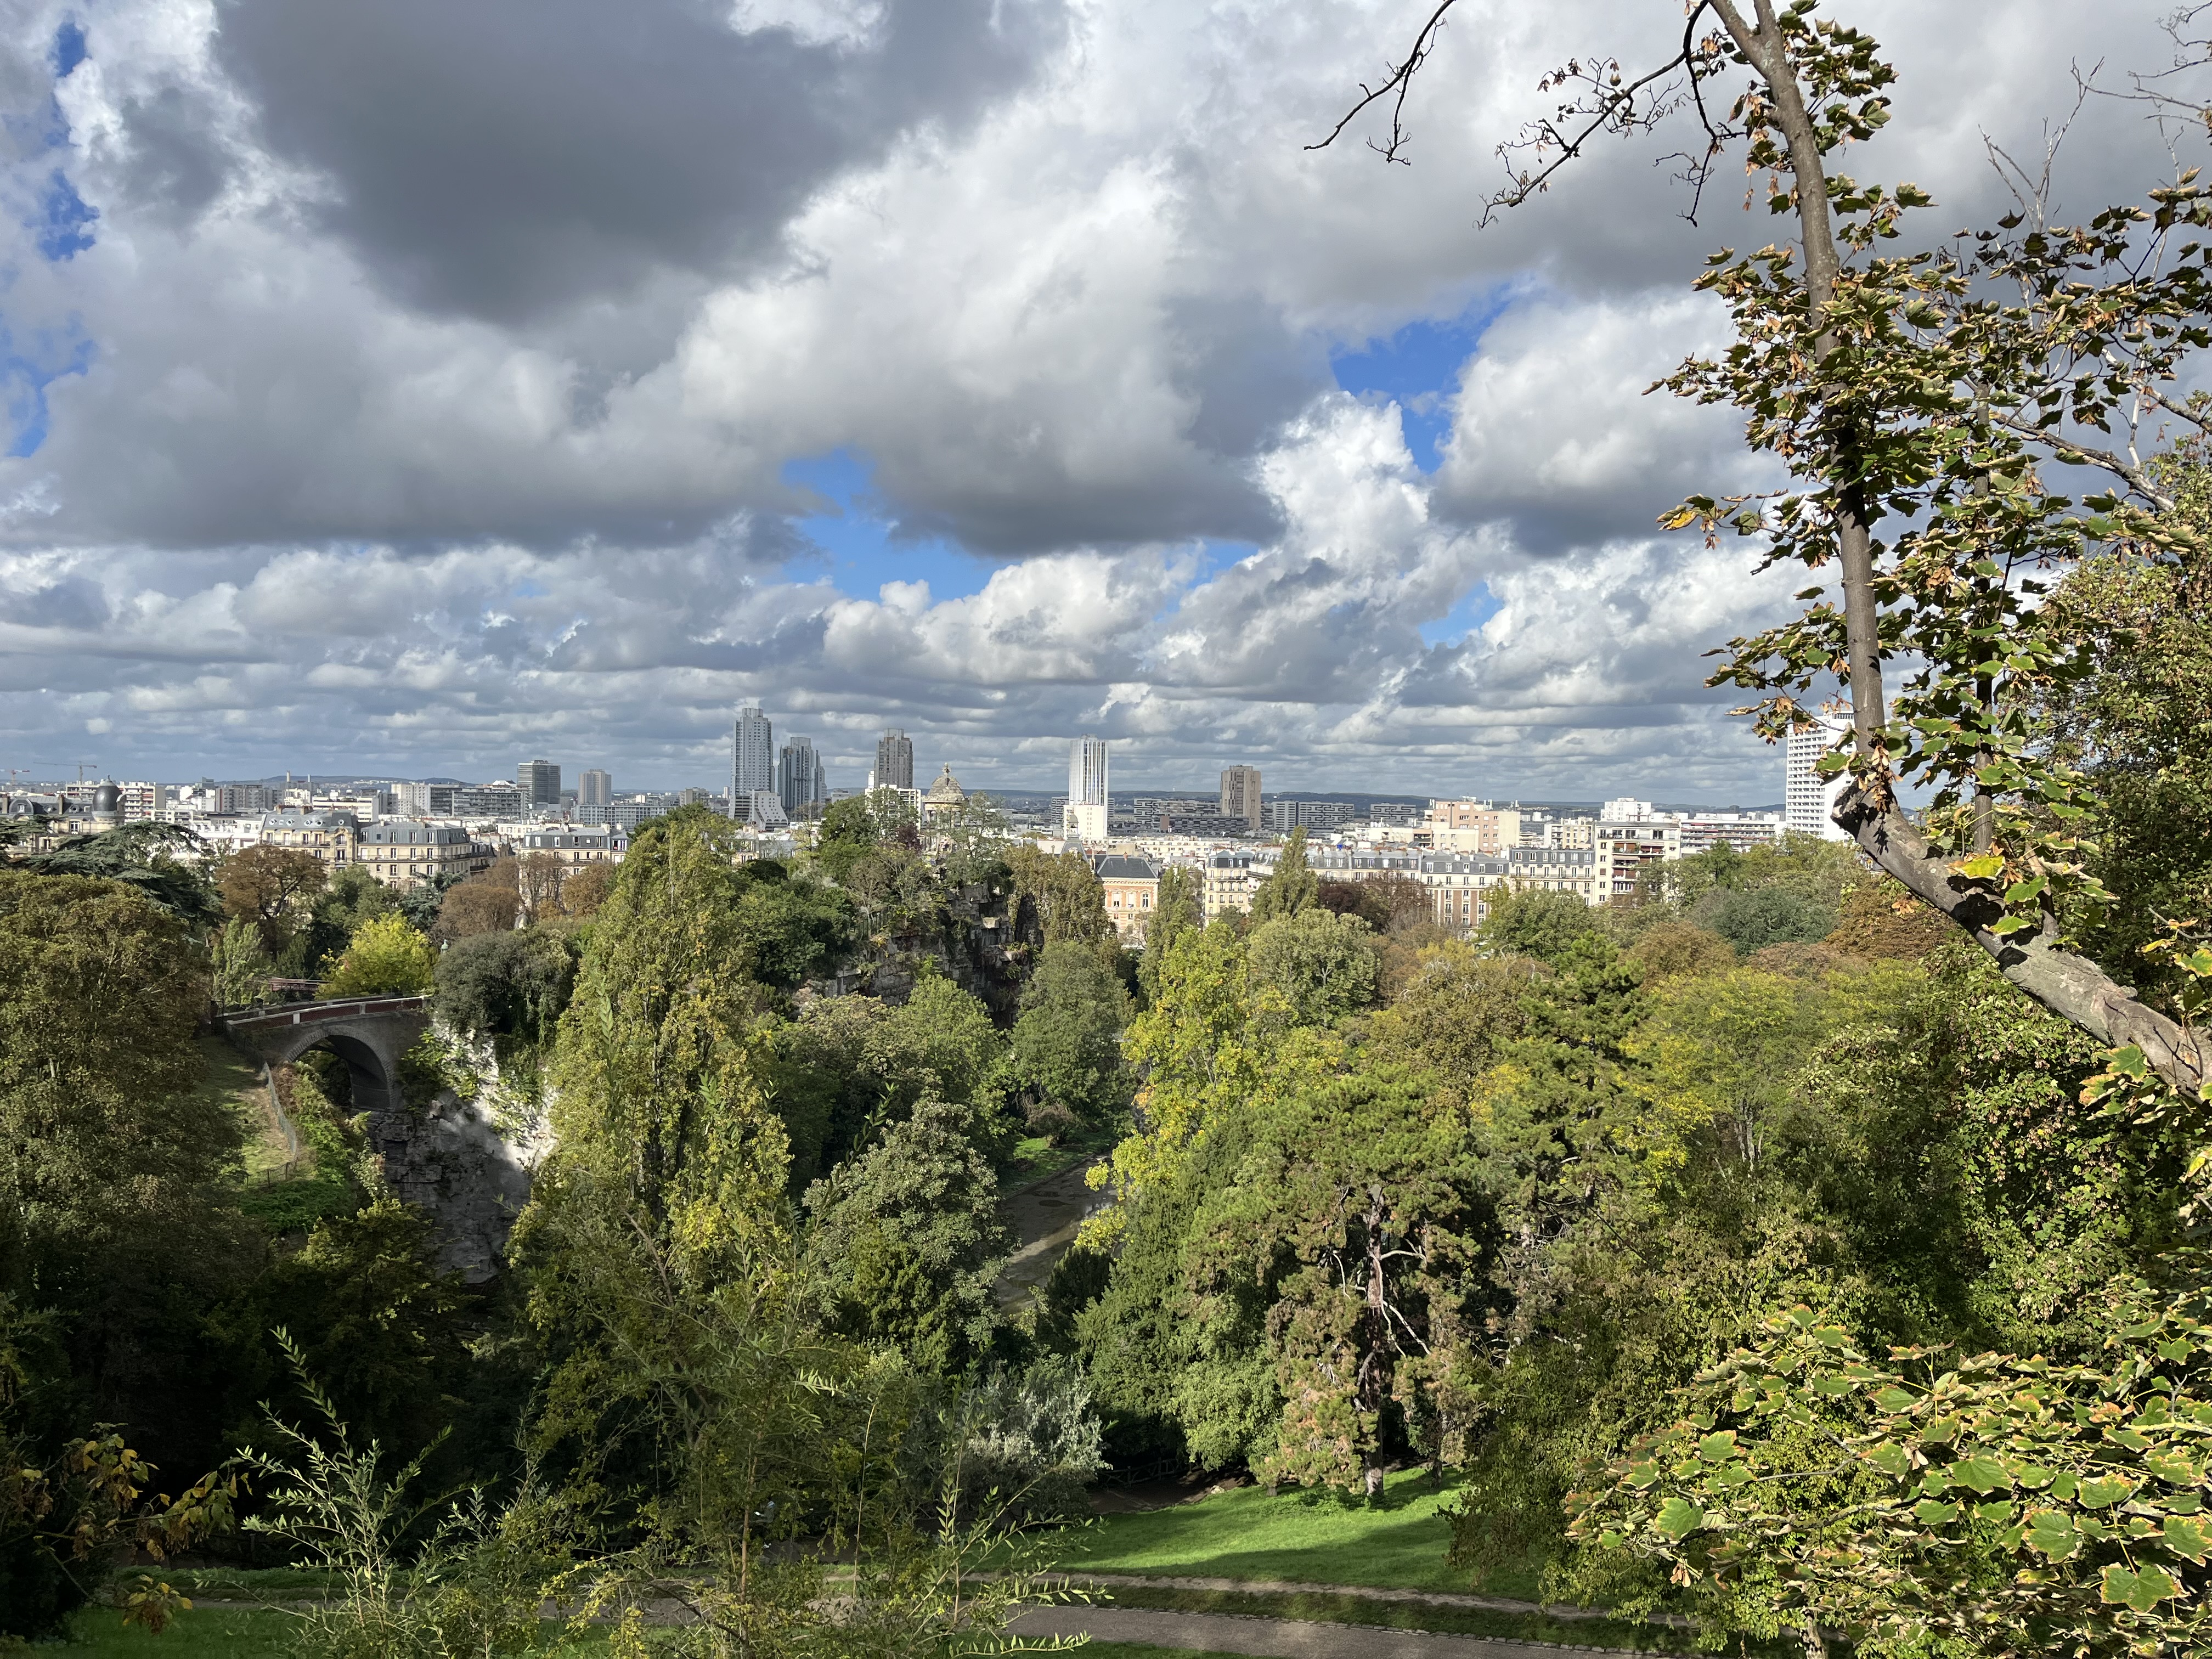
<point>860,540</point>
<point>69,48</point>
<point>1419,365</point>
<point>1477,607</point>
<point>62,216</point>
<point>26,372</point>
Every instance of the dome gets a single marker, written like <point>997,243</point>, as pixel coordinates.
<point>946,791</point>
<point>107,800</point>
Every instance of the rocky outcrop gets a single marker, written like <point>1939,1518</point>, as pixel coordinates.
<point>466,1156</point>
<point>983,942</point>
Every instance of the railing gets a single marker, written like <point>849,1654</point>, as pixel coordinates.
<point>308,1013</point>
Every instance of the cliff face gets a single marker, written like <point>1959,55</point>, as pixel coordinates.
<point>465,1151</point>
<point>983,941</point>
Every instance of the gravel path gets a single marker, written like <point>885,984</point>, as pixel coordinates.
<point>1365,1592</point>
<point>1277,1639</point>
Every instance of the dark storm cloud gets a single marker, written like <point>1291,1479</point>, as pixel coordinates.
<point>499,158</point>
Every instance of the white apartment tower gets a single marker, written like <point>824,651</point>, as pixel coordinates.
<point>1088,810</point>
<point>1808,801</point>
<point>595,788</point>
<point>1086,772</point>
<point>752,759</point>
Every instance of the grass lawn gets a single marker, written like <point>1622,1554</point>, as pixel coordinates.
<point>1314,1538</point>
<point>1037,1158</point>
<point>202,1633</point>
<point>235,1080</point>
<point>224,1633</point>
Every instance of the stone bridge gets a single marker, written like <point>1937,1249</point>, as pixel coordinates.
<point>369,1034</point>
<point>461,1161</point>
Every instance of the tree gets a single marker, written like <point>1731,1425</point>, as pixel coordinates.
<point>1360,1210</point>
<point>1175,913</point>
<point>386,957</point>
<point>117,1217</point>
<point>2140,722</point>
<point>586,889</point>
<point>1720,1054</point>
<point>242,968</point>
<point>510,984</point>
<point>848,832</point>
<point>1065,1048</point>
<point>1679,949</point>
<point>539,879</point>
<point>1928,393</point>
<point>905,1241</point>
<point>1290,887</point>
<point>160,861</point>
<point>273,888</point>
<point>1751,918</point>
<point>657,1091</point>
<point>1542,926</point>
<point>1456,1011</point>
<point>487,902</point>
<point>1067,898</point>
<point>1315,965</point>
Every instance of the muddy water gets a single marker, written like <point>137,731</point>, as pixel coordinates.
<point>1043,1218</point>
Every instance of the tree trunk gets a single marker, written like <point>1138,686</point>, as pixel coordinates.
<point>2070,985</point>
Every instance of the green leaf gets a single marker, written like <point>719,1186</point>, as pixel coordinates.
<point>1983,1473</point>
<point>1930,1513</point>
<point>2188,1536</point>
<point>2141,1591</point>
<point>2051,1532</point>
<point>2100,1491</point>
<point>1982,867</point>
<point>1678,1518</point>
<point>1891,1459</point>
<point>1717,1448</point>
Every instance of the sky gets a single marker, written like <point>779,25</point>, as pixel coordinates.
<point>419,387</point>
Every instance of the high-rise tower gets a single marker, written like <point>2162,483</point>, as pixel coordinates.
<point>1089,808</point>
<point>894,760</point>
<point>799,781</point>
<point>595,788</point>
<point>1807,799</point>
<point>1086,772</point>
<point>1240,794</point>
<point>539,782</point>
<point>752,759</point>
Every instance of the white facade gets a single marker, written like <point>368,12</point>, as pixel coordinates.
<point>1086,773</point>
<point>1085,821</point>
<point>1807,802</point>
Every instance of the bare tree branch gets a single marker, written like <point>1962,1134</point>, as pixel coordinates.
<point>1401,80</point>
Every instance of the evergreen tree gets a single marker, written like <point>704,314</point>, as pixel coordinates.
<point>1291,887</point>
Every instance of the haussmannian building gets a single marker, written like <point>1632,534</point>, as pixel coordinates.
<point>403,853</point>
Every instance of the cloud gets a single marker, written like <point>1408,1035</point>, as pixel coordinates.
<point>420,385</point>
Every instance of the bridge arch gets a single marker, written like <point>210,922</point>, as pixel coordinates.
<point>368,1034</point>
